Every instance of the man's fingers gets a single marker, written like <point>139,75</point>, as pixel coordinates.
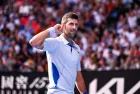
<point>61,28</point>
<point>57,27</point>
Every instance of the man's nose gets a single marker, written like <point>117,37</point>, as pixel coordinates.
<point>75,27</point>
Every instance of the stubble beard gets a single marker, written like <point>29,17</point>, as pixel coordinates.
<point>69,35</point>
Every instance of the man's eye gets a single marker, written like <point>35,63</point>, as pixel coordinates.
<point>76,24</point>
<point>71,23</point>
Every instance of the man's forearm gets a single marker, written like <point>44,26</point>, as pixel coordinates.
<point>81,87</point>
<point>80,84</point>
<point>37,40</point>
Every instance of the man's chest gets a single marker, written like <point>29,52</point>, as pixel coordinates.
<point>69,54</point>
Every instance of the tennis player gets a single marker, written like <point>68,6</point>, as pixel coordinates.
<point>62,55</point>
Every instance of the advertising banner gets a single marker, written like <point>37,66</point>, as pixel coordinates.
<point>23,83</point>
<point>113,82</point>
<point>103,82</point>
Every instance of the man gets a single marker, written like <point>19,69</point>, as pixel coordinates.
<point>62,55</point>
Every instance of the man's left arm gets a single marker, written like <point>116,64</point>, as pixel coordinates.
<point>80,83</point>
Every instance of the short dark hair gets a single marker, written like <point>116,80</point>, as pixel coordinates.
<point>69,15</point>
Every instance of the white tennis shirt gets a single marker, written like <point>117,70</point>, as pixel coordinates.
<point>63,64</point>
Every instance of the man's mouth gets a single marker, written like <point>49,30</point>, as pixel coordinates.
<point>73,31</point>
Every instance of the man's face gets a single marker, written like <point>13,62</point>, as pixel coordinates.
<point>70,28</point>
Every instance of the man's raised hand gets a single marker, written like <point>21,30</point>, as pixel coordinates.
<point>58,28</point>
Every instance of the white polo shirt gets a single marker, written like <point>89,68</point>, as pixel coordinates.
<point>62,64</point>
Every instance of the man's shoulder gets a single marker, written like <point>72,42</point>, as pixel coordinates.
<point>53,40</point>
<point>56,39</point>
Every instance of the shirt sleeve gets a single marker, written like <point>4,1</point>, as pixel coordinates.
<point>79,64</point>
<point>50,44</point>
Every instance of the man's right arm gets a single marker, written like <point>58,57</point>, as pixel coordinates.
<point>38,40</point>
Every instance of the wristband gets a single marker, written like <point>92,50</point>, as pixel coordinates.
<point>52,31</point>
<point>85,93</point>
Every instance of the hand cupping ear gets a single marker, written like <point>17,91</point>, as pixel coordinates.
<point>58,28</point>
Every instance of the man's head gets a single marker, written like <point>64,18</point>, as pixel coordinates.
<point>69,15</point>
<point>70,24</point>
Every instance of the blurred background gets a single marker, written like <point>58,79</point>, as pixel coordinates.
<point>108,35</point>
